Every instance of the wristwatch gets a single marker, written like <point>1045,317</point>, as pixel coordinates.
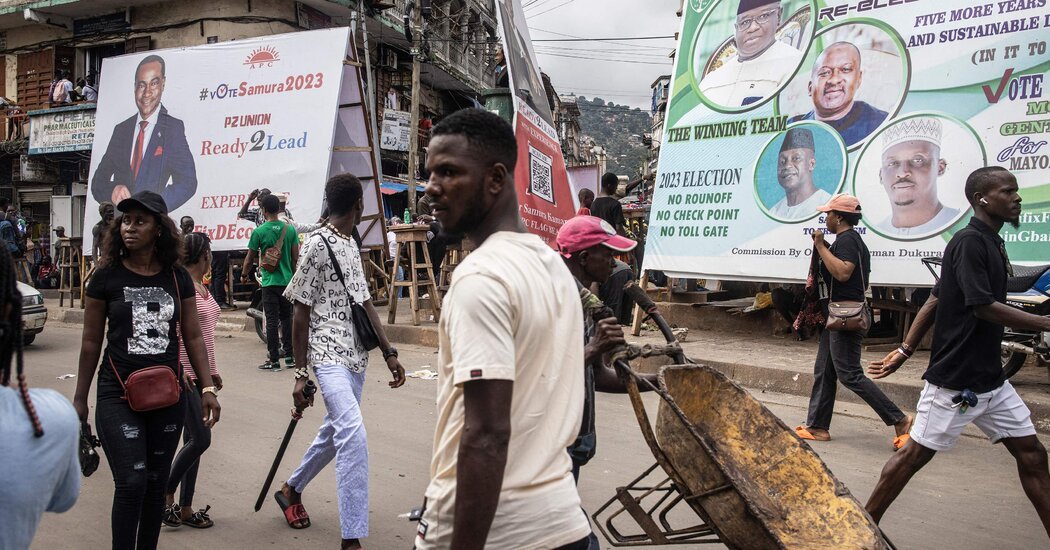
<point>212,390</point>
<point>390,352</point>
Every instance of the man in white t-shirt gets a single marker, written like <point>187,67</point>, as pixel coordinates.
<point>510,376</point>
<point>328,278</point>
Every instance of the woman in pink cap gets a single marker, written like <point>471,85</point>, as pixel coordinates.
<point>844,269</point>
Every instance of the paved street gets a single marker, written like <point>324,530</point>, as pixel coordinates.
<point>967,498</point>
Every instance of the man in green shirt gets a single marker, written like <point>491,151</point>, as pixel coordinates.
<point>276,307</point>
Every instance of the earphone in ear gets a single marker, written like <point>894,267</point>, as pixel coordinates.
<point>984,201</point>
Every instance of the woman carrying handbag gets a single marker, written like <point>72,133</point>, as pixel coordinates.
<point>136,301</point>
<point>844,269</point>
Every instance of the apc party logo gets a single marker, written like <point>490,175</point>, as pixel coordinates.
<point>264,56</point>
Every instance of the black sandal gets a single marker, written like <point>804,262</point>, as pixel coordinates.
<point>172,515</point>
<point>199,519</point>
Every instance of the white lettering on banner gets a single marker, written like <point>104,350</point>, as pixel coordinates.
<point>233,117</point>
<point>151,312</point>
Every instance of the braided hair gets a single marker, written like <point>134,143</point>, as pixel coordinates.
<point>197,244</point>
<point>11,336</point>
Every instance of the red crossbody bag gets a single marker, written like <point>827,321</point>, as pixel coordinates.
<point>151,388</point>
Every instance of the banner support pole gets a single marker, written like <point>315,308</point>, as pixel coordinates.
<point>373,105</point>
<point>636,324</point>
<point>413,133</point>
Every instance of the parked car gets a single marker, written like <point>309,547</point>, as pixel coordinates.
<point>34,314</point>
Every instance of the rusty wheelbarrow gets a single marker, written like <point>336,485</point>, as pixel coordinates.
<point>749,478</point>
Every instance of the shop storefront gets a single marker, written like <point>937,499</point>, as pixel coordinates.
<point>50,179</point>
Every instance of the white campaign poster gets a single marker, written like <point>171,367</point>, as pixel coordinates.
<point>220,120</point>
<point>583,177</point>
<point>395,131</point>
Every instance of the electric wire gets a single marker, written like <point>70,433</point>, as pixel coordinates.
<point>567,2</point>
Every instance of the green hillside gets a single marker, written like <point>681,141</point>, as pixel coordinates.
<point>619,129</point>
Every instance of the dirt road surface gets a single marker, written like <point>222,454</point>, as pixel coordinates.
<point>967,498</point>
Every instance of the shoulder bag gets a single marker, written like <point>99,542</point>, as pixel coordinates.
<point>363,329</point>
<point>271,257</point>
<point>849,316</point>
<point>154,387</point>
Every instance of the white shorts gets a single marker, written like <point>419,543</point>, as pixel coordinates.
<point>999,413</point>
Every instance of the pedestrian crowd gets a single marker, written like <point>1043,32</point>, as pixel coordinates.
<point>515,419</point>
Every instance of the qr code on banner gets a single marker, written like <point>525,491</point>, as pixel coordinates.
<point>540,175</point>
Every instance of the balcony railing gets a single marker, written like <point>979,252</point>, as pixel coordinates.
<point>465,55</point>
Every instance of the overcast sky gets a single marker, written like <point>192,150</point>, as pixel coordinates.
<point>620,72</point>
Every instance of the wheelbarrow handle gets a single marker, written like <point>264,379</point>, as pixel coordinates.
<point>639,296</point>
<point>631,380</point>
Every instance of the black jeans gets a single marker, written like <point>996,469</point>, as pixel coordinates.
<point>220,270</point>
<point>838,358</point>
<point>196,438</point>
<point>139,447</point>
<point>278,313</point>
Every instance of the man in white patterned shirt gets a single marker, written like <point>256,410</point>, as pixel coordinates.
<point>328,280</point>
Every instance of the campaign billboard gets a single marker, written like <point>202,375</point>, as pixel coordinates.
<point>777,105</point>
<point>205,125</point>
<point>545,197</point>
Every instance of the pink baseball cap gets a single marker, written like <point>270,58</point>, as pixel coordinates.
<point>842,202</point>
<point>583,232</point>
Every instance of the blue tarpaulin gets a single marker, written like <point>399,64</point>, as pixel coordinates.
<point>391,187</point>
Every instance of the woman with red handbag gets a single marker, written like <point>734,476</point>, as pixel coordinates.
<point>142,294</point>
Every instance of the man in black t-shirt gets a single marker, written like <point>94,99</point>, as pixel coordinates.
<point>969,304</point>
<point>607,207</point>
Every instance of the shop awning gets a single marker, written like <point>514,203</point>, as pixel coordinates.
<point>392,187</point>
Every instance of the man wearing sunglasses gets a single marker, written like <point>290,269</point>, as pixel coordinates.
<point>148,151</point>
<point>761,64</point>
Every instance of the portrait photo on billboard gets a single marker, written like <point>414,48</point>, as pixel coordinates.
<point>746,51</point>
<point>799,170</point>
<point>205,125</point>
<point>855,79</point>
<point>911,174</point>
<point>147,150</point>
<point>526,78</point>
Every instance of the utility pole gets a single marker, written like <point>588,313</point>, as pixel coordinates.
<point>413,134</point>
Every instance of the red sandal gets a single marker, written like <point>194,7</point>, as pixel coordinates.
<point>293,513</point>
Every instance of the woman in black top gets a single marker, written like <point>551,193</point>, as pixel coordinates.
<point>142,293</point>
<point>844,270</point>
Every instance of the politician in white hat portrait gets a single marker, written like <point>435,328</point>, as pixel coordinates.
<point>909,172</point>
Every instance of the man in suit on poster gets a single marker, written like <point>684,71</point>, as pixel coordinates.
<point>148,151</point>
